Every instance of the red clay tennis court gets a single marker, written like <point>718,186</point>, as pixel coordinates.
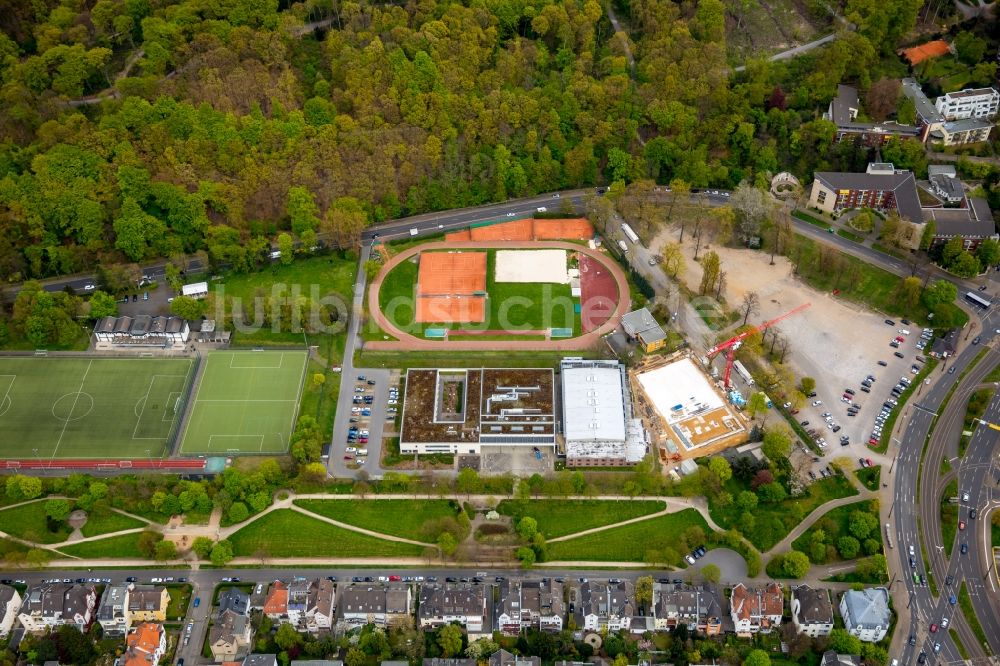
<point>527,229</point>
<point>598,294</point>
<point>451,309</point>
<point>451,287</point>
<point>451,273</point>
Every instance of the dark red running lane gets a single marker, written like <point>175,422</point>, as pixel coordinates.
<point>598,294</point>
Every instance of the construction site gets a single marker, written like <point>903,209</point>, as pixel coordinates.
<point>685,411</point>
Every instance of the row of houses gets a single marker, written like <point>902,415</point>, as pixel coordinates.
<point>129,611</point>
<point>498,658</point>
<point>548,605</point>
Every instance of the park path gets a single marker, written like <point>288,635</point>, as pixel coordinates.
<point>359,530</point>
<point>785,544</point>
<point>406,341</point>
<point>676,506</point>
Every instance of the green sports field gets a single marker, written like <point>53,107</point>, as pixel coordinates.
<point>88,407</point>
<point>246,402</point>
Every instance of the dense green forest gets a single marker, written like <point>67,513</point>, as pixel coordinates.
<point>134,129</point>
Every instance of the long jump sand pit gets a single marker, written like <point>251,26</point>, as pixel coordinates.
<point>531,266</point>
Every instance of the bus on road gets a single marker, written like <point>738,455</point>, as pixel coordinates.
<point>631,235</point>
<point>977,300</point>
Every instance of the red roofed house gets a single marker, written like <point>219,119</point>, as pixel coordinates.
<point>145,645</point>
<point>276,604</point>
<point>755,610</point>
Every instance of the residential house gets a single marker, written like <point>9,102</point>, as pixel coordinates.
<point>534,604</point>
<point>969,103</point>
<point>843,112</point>
<point>812,611</point>
<point>504,658</point>
<point>48,606</point>
<point>601,604</point>
<point>145,645</point>
<point>148,603</point>
<point>261,660</point>
<point>399,606</point>
<point>112,612</point>
<point>699,608</point>
<point>258,596</point>
<point>310,604</point>
<point>866,613</point>
<point>319,662</point>
<point>756,610</point>
<point>229,638</point>
<point>640,325</point>
<point>362,604</point>
<point>233,599</point>
<point>276,604</point>
<point>946,346</point>
<point>831,658</point>
<point>462,603</point>
<point>10,604</point>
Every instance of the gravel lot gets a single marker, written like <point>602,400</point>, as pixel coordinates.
<point>834,341</point>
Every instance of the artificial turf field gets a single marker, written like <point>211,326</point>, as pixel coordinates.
<point>89,407</point>
<point>246,402</point>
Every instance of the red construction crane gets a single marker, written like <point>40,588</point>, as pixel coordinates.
<point>733,344</point>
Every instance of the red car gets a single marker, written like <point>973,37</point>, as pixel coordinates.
<point>933,628</point>
<point>348,457</point>
<point>394,579</point>
<point>900,338</point>
<point>961,524</point>
<point>869,461</point>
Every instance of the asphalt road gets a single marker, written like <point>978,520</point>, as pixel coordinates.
<point>908,518</point>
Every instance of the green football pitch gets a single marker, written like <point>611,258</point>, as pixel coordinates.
<point>89,407</point>
<point>246,403</point>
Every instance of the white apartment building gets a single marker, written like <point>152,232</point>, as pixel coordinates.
<point>969,103</point>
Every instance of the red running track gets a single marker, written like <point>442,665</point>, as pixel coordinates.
<point>598,293</point>
<point>116,463</point>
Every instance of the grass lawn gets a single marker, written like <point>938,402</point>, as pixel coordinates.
<point>965,601</point>
<point>286,533</point>
<point>320,402</point>
<point>773,521</point>
<point>551,305</point>
<point>111,521</point>
<point>835,524</point>
<point>402,518</point>
<point>958,643</point>
<point>125,545</point>
<point>843,233</point>
<point>561,517</point>
<point>333,273</point>
<point>975,409</point>
<point>30,523</point>
<point>949,516</point>
<point>869,476</point>
<point>180,596</point>
<point>8,547</point>
<point>630,543</point>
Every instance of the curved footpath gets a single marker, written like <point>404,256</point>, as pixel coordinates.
<point>406,341</point>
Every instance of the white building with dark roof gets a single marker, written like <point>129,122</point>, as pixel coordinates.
<point>451,603</point>
<point>10,604</point>
<point>812,611</point>
<point>141,331</point>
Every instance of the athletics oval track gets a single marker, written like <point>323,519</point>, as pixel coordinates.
<point>408,342</point>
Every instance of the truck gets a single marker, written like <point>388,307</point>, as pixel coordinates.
<point>414,231</point>
<point>631,235</point>
<point>743,372</point>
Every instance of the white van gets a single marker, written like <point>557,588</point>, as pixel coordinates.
<point>362,452</point>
